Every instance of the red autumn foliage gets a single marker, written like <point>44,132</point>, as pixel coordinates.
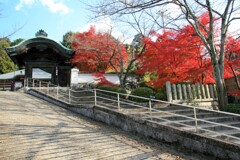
<point>94,51</point>
<point>181,57</point>
<point>234,93</point>
<point>102,80</point>
<point>232,55</point>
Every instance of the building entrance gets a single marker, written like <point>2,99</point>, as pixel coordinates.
<point>43,58</point>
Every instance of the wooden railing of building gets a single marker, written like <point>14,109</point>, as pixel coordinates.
<point>5,84</point>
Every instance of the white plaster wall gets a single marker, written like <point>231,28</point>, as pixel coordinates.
<point>88,78</point>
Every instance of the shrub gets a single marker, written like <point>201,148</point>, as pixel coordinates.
<point>141,92</point>
<point>113,89</point>
<point>231,99</point>
<point>161,95</point>
<point>233,108</point>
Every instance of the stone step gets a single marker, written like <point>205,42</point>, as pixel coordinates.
<point>222,133</point>
<point>169,107</point>
<point>212,119</point>
<point>209,126</point>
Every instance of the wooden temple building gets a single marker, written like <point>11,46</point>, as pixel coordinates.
<point>42,53</point>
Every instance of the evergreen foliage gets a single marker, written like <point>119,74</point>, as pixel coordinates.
<point>141,92</point>
<point>6,64</point>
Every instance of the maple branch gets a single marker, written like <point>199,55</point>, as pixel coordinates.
<point>132,62</point>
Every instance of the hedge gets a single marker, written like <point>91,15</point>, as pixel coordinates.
<point>141,92</point>
<point>233,108</point>
<point>113,89</point>
<point>161,95</point>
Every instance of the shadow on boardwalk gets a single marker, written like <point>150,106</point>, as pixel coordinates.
<point>34,129</point>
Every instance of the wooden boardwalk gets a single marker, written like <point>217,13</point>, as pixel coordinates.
<point>31,128</point>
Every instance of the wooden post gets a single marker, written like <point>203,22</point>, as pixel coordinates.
<point>169,91</point>
<point>198,91</point>
<point>211,91</point>
<point>207,91</point>
<point>189,90</point>
<point>194,91</point>
<point>203,91</point>
<point>184,91</point>
<point>174,91</point>
<point>179,88</point>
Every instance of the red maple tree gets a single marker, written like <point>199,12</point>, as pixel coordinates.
<point>180,56</point>
<point>98,52</point>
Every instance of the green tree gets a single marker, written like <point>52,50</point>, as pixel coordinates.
<point>68,39</point>
<point>16,42</point>
<point>6,64</point>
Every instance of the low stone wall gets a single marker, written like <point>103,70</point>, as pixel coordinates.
<point>188,140</point>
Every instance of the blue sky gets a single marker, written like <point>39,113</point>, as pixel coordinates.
<point>56,17</point>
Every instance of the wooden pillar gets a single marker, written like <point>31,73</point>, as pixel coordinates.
<point>184,92</point>
<point>198,91</point>
<point>174,91</point>
<point>169,91</point>
<point>189,91</point>
<point>211,91</point>
<point>194,93</point>
<point>207,91</point>
<point>203,91</point>
<point>179,88</point>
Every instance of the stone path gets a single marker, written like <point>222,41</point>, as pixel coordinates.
<point>34,129</point>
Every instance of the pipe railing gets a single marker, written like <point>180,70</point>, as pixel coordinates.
<point>67,95</point>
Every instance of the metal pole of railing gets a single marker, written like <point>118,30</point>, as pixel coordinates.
<point>57,91</point>
<point>40,84</point>
<point>4,84</point>
<point>118,97</point>
<point>195,117</point>
<point>150,108</point>
<point>69,96</point>
<point>95,97</point>
<point>48,87</point>
<point>27,81</point>
<point>33,85</point>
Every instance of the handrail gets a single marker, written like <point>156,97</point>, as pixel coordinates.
<point>166,102</point>
<point>66,95</point>
<point>155,100</point>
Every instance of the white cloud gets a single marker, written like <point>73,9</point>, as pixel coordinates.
<point>23,3</point>
<point>52,5</point>
<point>55,7</point>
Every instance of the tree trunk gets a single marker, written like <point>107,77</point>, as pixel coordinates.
<point>235,76</point>
<point>220,85</point>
